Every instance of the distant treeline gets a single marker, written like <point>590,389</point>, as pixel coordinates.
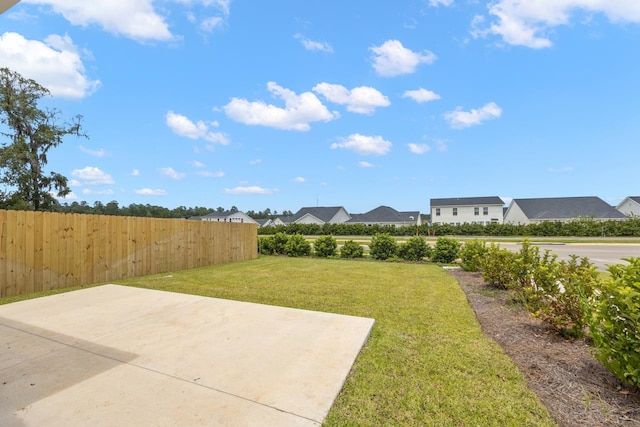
<point>577,228</point>
<point>152,211</point>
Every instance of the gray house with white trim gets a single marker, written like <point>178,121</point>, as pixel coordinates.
<point>630,206</point>
<point>316,215</point>
<point>226,216</point>
<point>531,211</point>
<point>384,215</point>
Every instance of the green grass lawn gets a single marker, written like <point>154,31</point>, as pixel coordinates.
<point>426,363</point>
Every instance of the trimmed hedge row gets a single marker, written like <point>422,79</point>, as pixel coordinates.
<point>583,227</point>
<point>382,247</point>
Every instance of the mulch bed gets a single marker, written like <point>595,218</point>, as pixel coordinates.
<point>576,389</point>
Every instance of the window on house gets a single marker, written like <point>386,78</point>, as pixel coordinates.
<point>437,211</point>
<point>485,211</point>
<point>455,211</point>
<point>476,211</point>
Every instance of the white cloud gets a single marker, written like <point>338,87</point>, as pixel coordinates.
<point>250,190</point>
<point>181,125</point>
<point>218,174</point>
<point>314,45</point>
<point>392,59</point>
<point>364,145</point>
<point>211,23</point>
<point>171,173</point>
<point>419,148</point>
<point>421,95</point>
<point>197,164</point>
<point>74,183</point>
<point>299,179</point>
<point>106,192</point>
<point>54,64</point>
<point>93,176</point>
<point>527,23</point>
<point>436,3</point>
<point>365,165</point>
<point>361,100</point>
<point>136,19</point>
<point>70,196</point>
<point>255,161</point>
<point>459,119</point>
<point>299,111</point>
<point>208,23</point>
<point>135,172</point>
<point>96,153</point>
<point>150,192</point>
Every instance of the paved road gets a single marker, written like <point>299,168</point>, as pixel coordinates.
<point>599,254</point>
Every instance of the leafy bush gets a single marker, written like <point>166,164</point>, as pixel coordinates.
<point>472,255</point>
<point>297,245</point>
<point>273,244</point>
<point>446,250</point>
<point>383,246</point>
<point>558,293</point>
<point>351,249</point>
<point>524,263</point>
<point>497,266</point>
<point>325,246</point>
<point>613,316</point>
<point>414,249</point>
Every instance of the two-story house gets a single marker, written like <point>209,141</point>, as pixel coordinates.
<point>470,210</point>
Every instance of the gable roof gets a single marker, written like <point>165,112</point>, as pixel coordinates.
<point>567,208</point>
<point>634,198</point>
<point>466,201</point>
<point>385,214</point>
<point>324,214</point>
<point>222,214</point>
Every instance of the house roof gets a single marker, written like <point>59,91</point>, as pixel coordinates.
<point>324,214</point>
<point>467,201</point>
<point>385,214</point>
<point>223,214</point>
<point>567,207</point>
<point>262,221</point>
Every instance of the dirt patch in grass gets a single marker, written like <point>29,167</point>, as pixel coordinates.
<point>576,389</point>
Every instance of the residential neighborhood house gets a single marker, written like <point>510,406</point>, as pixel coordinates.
<point>226,216</point>
<point>384,215</point>
<point>528,211</point>
<point>316,215</point>
<point>470,210</point>
<point>630,206</point>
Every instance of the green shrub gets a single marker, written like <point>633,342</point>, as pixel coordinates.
<point>524,263</point>
<point>472,255</point>
<point>383,246</point>
<point>559,291</point>
<point>351,249</point>
<point>325,246</point>
<point>273,244</point>
<point>497,266</point>
<point>297,245</point>
<point>613,316</point>
<point>414,249</point>
<point>446,250</point>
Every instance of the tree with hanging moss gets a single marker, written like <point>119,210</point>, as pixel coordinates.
<point>27,133</point>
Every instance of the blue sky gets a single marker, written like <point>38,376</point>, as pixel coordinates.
<point>285,104</point>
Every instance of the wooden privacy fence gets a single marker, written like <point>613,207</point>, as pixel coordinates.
<point>42,250</point>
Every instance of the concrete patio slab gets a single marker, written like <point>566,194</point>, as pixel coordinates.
<point>116,355</point>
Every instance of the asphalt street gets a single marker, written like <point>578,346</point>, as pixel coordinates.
<point>600,254</point>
